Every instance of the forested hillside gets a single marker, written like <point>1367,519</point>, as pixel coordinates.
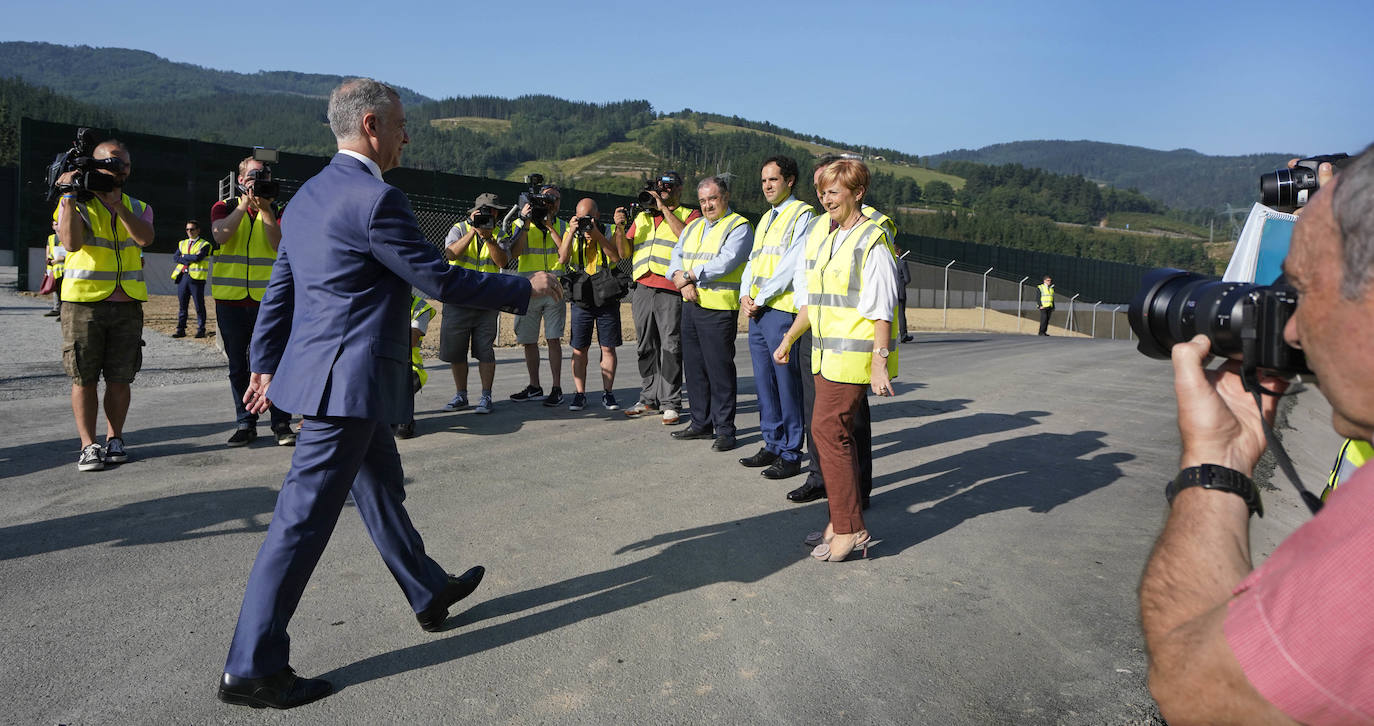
<point>19,99</point>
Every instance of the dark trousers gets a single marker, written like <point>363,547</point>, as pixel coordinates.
<point>1045,314</point>
<point>187,290</point>
<point>863,424</point>
<point>657,316</point>
<point>708,364</point>
<point>779,386</point>
<point>836,426</point>
<point>333,456</point>
<point>236,332</point>
<point>901,315</point>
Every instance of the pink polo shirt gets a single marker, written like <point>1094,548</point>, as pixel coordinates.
<point>1302,624</point>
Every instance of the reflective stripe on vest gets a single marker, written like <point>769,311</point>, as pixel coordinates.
<point>106,258</point>
<point>243,264</point>
<point>476,256</point>
<point>841,338</point>
<point>654,252</point>
<point>541,253</point>
<point>418,307</point>
<point>700,246</point>
<point>1352,456</point>
<point>885,222</point>
<point>1046,295</point>
<point>54,269</point>
<point>770,243</point>
<point>198,270</point>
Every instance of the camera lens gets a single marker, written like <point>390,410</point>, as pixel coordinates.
<point>1277,189</point>
<point>1173,306</point>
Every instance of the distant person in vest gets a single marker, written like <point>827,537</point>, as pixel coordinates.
<point>421,312</point>
<point>587,247</point>
<point>56,256</point>
<point>247,230</point>
<point>655,302</point>
<point>814,486</point>
<point>534,244</point>
<point>474,244</point>
<point>103,292</point>
<point>849,285</point>
<point>1046,291</point>
<point>766,297</point>
<point>706,267</point>
<point>191,270</point>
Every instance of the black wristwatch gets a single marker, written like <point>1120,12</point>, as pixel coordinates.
<point>1211,476</point>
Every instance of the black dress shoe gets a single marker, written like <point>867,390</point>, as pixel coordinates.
<point>782,469</point>
<point>691,432</point>
<point>812,490</point>
<point>763,458</point>
<point>724,442</point>
<point>432,618</point>
<point>283,689</point>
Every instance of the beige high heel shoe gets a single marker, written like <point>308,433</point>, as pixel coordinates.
<point>842,545</point>
<point>816,538</point>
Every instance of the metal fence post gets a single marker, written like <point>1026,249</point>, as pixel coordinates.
<point>1115,312</point>
<point>1069,322</point>
<point>1094,333</point>
<point>945,322</point>
<point>1020,290</point>
<point>985,298</point>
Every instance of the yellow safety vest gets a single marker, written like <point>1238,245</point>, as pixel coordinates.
<point>885,222</point>
<point>243,264</point>
<point>587,253</point>
<point>1046,295</point>
<point>418,307</point>
<point>841,338</point>
<point>476,256</point>
<point>653,245</point>
<point>699,246</point>
<point>770,242</point>
<point>54,269</point>
<point>541,253</point>
<point>108,256</point>
<point>197,270</point>
<point>1352,456</point>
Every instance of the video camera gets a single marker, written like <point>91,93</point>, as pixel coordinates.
<point>483,219</point>
<point>1288,189</point>
<point>261,179</point>
<point>78,158</point>
<point>1243,320</point>
<point>540,204</point>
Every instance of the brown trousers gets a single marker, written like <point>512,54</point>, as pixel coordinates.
<point>832,442</point>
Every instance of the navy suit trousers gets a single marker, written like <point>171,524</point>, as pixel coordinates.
<point>779,386</point>
<point>188,290</point>
<point>333,457</point>
<point>708,366</point>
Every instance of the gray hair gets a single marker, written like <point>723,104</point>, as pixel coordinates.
<point>721,183</point>
<point>354,99</point>
<point>1353,211</point>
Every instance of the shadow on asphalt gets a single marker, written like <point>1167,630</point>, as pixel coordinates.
<point>1037,471</point>
<point>145,445</point>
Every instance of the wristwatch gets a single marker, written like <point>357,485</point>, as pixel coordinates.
<point>882,352</point>
<point>1211,476</point>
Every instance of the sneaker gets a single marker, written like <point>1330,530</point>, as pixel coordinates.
<point>555,397</point>
<point>114,451</point>
<point>92,458</point>
<point>285,435</point>
<point>406,430</point>
<point>459,402</point>
<point>179,334</point>
<point>243,437</point>
<point>639,409</point>
<point>669,417</point>
<point>579,402</point>
<point>529,394</point>
<point>484,405</point>
<point>608,402</point>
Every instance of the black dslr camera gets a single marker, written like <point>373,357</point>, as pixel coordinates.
<point>585,224</point>
<point>261,179</point>
<point>1288,189</point>
<point>540,203</point>
<point>78,158</point>
<point>484,220</point>
<point>1243,320</point>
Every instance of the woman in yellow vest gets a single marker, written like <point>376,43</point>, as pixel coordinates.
<point>56,259</point>
<point>847,287</point>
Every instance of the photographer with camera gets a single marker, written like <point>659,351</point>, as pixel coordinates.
<point>247,231</point>
<point>1232,644</point>
<point>534,243</point>
<point>475,244</point>
<point>655,302</point>
<point>103,291</point>
<point>586,249</point>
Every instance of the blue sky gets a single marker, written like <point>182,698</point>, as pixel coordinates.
<point>921,77</point>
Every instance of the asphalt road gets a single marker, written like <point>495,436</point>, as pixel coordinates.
<point>631,578</point>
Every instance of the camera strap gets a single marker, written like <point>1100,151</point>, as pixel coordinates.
<point>1249,375</point>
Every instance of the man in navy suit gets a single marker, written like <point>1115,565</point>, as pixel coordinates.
<point>332,344</point>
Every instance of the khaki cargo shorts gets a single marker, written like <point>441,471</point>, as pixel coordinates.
<point>102,337</point>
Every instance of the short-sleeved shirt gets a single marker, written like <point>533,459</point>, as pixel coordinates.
<point>1302,624</point>
<point>639,235</point>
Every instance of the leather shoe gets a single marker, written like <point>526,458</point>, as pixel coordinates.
<point>691,432</point>
<point>763,458</point>
<point>782,469</point>
<point>810,491</point>
<point>724,442</point>
<point>432,618</point>
<point>283,689</point>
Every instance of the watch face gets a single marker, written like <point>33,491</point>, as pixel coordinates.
<point>883,352</point>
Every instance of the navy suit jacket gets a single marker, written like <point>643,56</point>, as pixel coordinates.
<point>334,324</point>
